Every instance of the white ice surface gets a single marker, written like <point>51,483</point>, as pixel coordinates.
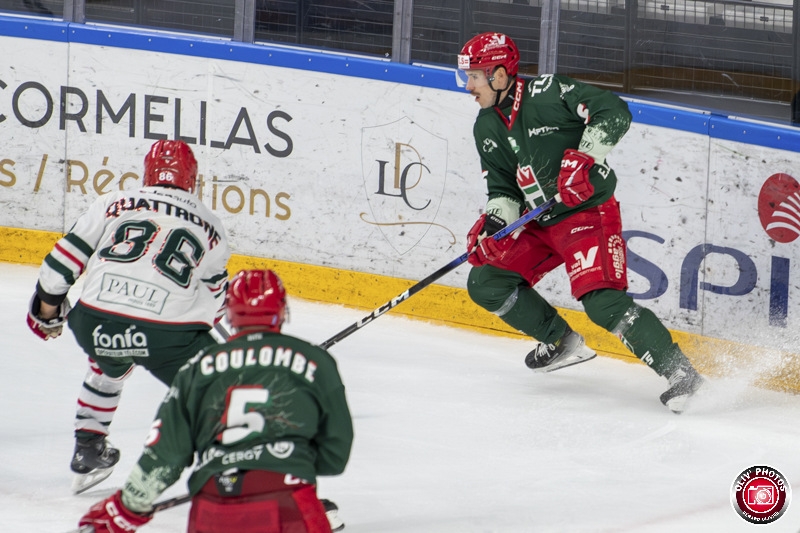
<point>453,435</point>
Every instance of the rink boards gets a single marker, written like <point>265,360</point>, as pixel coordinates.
<point>355,177</point>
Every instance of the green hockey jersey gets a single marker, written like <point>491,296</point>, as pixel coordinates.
<point>547,115</point>
<point>262,401</point>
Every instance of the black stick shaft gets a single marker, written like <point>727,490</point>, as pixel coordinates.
<point>394,302</point>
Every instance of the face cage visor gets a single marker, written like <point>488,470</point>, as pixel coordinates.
<point>462,77</point>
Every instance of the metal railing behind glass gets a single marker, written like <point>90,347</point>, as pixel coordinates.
<point>735,55</point>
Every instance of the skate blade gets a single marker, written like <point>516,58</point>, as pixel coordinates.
<point>678,404</point>
<point>83,482</point>
<point>564,363</point>
<point>331,513</point>
<point>334,521</point>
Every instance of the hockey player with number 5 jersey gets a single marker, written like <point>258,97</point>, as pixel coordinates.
<point>260,416</point>
<point>538,138</point>
<point>154,267</point>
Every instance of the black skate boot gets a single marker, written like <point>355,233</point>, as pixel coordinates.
<point>569,350</point>
<point>683,383</point>
<point>331,511</point>
<point>93,461</point>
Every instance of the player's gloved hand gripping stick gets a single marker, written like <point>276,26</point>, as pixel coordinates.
<point>110,506</point>
<point>394,302</point>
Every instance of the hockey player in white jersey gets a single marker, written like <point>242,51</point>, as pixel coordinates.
<point>154,262</point>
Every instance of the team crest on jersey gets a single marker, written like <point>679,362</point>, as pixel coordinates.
<point>281,449</point>
<point>527,182</point>
<point>489,145</point>
<point>404,168</point>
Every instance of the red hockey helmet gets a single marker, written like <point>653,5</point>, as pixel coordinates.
<point>256,298</point>
<point>490,50</point>
<point>171,164</point>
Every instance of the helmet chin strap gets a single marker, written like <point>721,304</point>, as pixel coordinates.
<point>499,92</point>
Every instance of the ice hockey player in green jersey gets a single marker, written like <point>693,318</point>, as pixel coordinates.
<point>538,138</point>
<point>265,414</point>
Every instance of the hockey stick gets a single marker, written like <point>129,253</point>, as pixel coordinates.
<point>222,332</point>
<point>172,502</point>
<point>394,302</point>
<point>162,506</point>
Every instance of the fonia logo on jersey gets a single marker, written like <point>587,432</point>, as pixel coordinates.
<point>779,207</point>
<point>404,168</point>
<point>127,343</point>
<point>760,494</point>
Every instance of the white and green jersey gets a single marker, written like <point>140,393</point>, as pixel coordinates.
<point>155,254</point>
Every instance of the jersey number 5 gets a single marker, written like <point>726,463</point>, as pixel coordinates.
<point>240,420</point>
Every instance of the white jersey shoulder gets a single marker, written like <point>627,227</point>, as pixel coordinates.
<point>156,254</point>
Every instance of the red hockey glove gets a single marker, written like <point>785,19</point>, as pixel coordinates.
<point>573,180</point>
<point>481,247</point>
<point>111,516</point>
<point>47,328</point>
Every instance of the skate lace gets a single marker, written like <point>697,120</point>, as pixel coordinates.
<point>677,377</point>
<point>544,352</point>
<point>105,455</point>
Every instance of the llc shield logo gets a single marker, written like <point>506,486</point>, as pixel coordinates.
<point>404,168</point>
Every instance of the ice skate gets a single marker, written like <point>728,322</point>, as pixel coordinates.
<point>332,511</point>
<point>569,350</point>
<point>683,383</point>
<point>93,461</point>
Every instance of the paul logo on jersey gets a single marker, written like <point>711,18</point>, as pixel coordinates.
<point>132,292</point>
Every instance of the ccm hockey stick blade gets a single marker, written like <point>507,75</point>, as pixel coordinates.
<point>394,302</point>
